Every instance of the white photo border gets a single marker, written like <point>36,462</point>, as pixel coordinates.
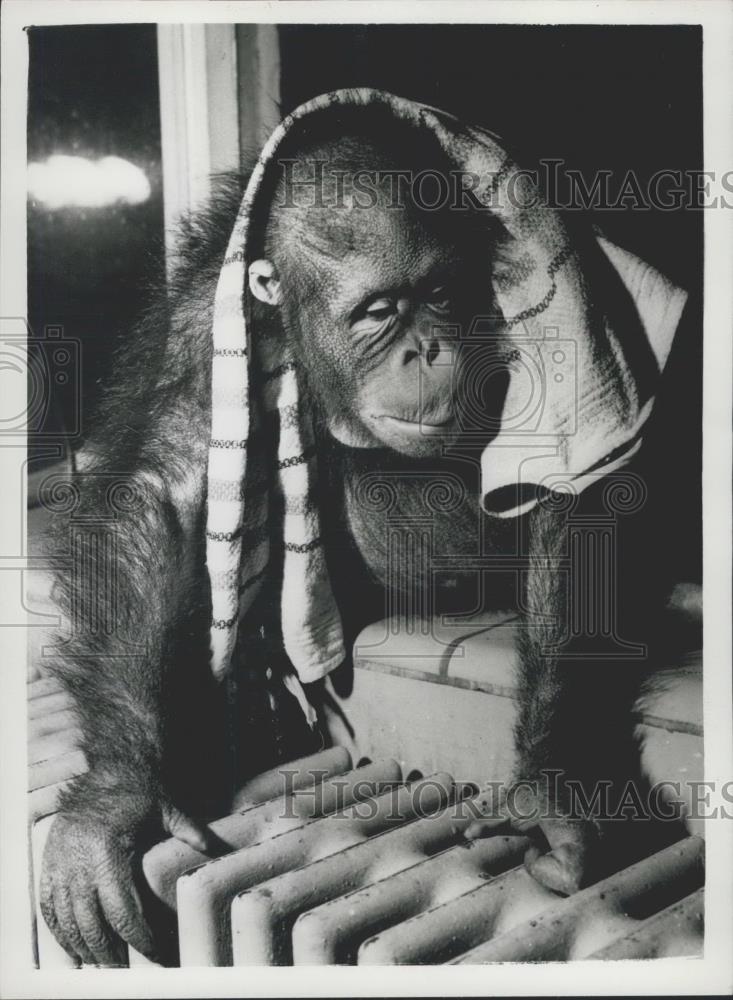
<point>712,974</point>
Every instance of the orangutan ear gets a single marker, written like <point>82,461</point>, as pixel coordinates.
<point>264,282</point>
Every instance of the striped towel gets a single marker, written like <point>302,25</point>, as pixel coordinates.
<point>597,390</point>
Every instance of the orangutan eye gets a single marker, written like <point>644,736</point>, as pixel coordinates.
<point>440,301</point>
<point>380,309</point>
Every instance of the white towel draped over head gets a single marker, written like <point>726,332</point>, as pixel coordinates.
<point>581,386</point>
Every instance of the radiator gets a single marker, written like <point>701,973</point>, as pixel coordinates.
<point>334,864</point>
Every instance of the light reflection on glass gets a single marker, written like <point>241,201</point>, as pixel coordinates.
<point>78,182</point>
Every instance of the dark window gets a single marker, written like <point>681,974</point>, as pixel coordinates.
<point>95,209</point>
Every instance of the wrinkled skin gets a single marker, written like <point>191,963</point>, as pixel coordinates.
<point>88,896</point>
<point>90,867</point>
<point>379,327</point>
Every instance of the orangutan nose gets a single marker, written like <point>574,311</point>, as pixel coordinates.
<point>430,351</point>
<point>436,352</point>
